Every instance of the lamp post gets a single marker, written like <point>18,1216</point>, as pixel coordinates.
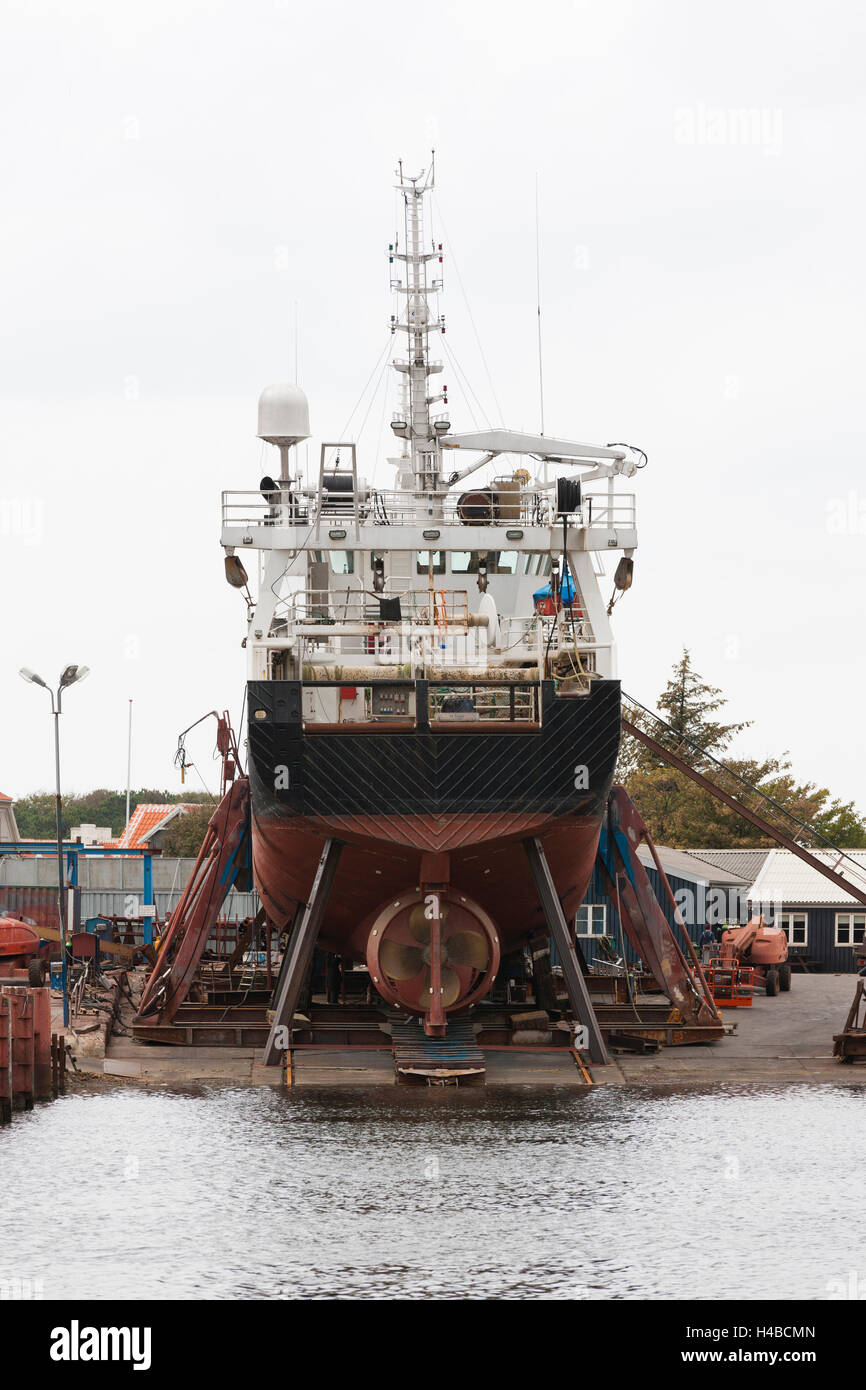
<point>69,676</point>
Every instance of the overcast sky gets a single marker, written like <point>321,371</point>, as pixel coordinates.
<point>176,176</point>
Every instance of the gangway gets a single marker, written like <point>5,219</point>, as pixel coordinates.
<point>784,837</point>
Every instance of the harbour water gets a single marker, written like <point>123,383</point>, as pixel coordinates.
<point>511,1193</point>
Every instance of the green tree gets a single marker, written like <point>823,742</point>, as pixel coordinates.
<point>685,705</point>
<point>35,814</point>
<point>842,825</point>
<point>184,835</point>
<point>687,701</point>
<point>680,812</point>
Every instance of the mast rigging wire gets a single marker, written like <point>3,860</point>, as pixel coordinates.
<point>376,367</point>
<point>471,316</point>
<point>465,387</point>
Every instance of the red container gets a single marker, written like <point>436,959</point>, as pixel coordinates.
<point>42,1041</point>
<point>23,1057</point>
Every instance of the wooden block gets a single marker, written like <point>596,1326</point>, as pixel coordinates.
<point>537,1019</point>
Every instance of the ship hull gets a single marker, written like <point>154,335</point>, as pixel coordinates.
<point>473,793</point>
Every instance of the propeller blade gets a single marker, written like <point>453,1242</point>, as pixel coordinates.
<point>450,988</point>
<point>467,948</point>
<point>399,961</point>
<point>419,925</point>
<point>450,985</point>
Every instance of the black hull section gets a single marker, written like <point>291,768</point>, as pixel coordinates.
<point>393,795</point>
<point>562,767</point>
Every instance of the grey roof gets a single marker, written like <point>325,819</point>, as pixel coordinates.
<point>685,864</point>
<point>787,879</point>
<point>743,864</point>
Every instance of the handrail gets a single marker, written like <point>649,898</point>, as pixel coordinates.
<point>467,510</point>
<point>520,704</point>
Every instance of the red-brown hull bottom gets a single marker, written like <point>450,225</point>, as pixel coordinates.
<point>382,857</point>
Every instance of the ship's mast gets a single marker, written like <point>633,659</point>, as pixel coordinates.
<point>414,423</point>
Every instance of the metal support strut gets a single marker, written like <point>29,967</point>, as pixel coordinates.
<point>220,859</point>
<point>299,952</point>
<point>630,890</point>
<point>578,994</point>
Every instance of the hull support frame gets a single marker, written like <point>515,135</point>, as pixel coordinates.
<point>578,994</point>
<point>300,951</point>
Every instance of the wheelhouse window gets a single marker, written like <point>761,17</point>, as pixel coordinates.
<point>850,928</point>
<point>464,562</point>
<point>342,561</point>
<point>536,562</point>
<point>796,927</point>
<point>422,562</point>
<point>591,919</point>
<point>498,561</point>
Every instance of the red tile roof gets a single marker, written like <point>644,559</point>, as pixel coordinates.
<point>144,820</point>
<point>5,798</point>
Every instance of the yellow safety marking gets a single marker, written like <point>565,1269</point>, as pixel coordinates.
<point>579,1060</point>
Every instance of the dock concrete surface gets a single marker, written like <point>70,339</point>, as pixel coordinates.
<point>100,1045</point>
<point>776,1042</point>
<point>779,1041</point>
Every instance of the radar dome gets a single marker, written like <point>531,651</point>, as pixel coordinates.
<point>284,414</point>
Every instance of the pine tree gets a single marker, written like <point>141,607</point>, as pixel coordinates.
<point>681,813</point>
<point>686,704</point>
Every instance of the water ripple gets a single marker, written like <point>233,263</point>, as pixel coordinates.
<point>513,1194</point>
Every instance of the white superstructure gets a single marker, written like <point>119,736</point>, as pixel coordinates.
<point>435,575</point>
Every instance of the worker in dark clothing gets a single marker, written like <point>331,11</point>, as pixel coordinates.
<point>707,944</point>
<point>333,978</point>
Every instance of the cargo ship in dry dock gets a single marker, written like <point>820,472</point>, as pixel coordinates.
<point>431,668</point>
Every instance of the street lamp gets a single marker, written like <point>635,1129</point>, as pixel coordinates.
<point>69,676</point>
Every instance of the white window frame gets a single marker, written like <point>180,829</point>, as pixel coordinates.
<point>591,909</point>
<point>785,921</point>
<point>851,924</point>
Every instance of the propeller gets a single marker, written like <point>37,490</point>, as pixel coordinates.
<point>404,962</point>
<point>407,950</point>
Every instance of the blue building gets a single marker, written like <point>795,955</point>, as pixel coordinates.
<point>722,886</point>
<point>702,891</point>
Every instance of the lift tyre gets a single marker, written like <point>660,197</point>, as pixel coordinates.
<point>36,973</point>
<point>772,983</point>
<point>785,977</point>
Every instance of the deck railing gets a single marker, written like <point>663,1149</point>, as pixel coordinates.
<point>333,606</point>
<point>439,702</point>
<point>376,507</point>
